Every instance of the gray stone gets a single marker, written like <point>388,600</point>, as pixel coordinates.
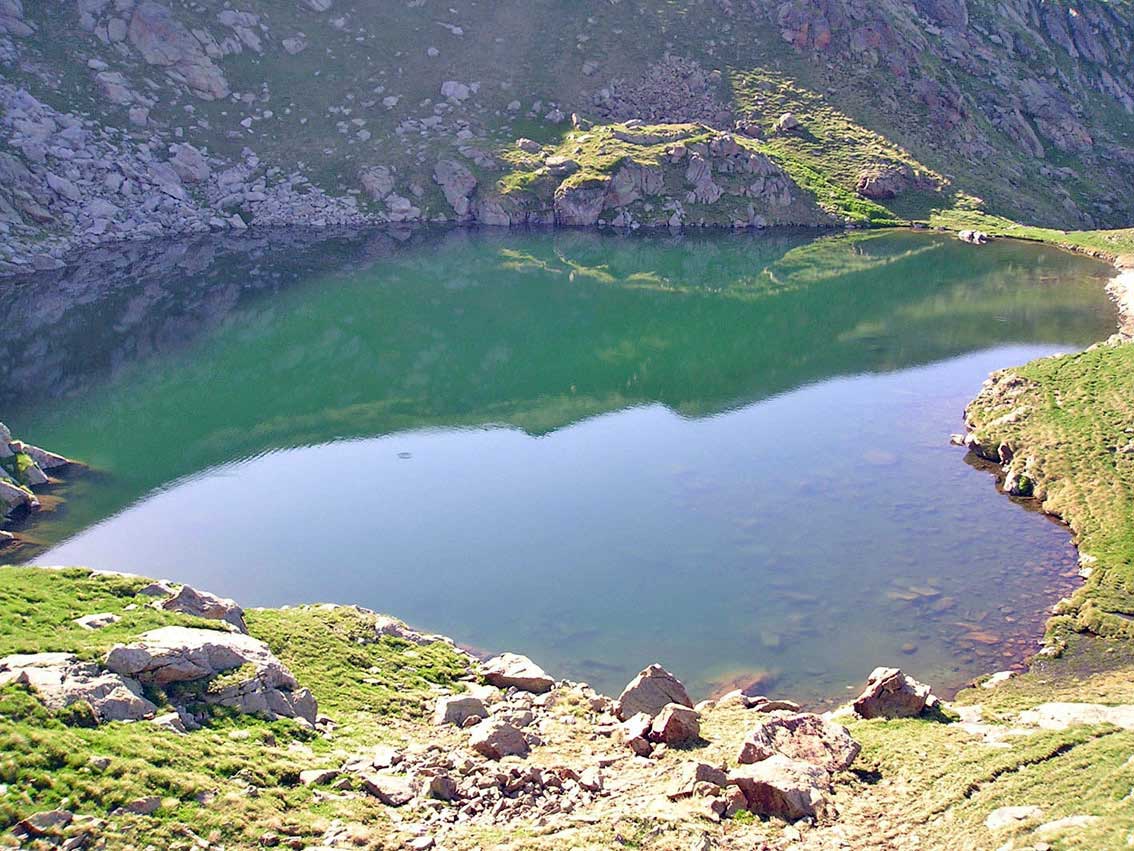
<point>201,604</point>
<point>457,709</point>
<point>60,680</point>
<point>391,791</point>
<point>97,621</point>
<point>1003,817</point>
<point>783,787</point>
<point>498,739</point>
<point>649,693</point>
<point>511,670</point>
<point>800,736</point>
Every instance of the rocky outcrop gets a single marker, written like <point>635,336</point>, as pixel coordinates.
<point>457,184</point>
<point>23,469</point>
<point>164,41</point>
<point>649,693</point>
<point>201,604</point>
<point>891,694</point>
<point>60,680</point>
<point>174,654</point>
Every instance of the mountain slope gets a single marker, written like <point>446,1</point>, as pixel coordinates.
<point>148,118</point>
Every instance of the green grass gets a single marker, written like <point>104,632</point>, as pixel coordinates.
<point>201,777</point>
<point>1072,419</point>
<point>1107,244</point>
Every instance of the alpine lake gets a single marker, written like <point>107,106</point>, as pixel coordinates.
<point>728,453</point>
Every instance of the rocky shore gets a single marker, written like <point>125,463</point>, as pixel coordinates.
<point>503,748</point>
<point>23,469</point>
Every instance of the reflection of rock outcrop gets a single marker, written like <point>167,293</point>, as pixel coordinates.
<point>133,300</point>
<point>466,328</point>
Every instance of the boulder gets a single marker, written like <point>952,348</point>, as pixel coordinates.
<point>511,670</point>
<point>176,654</point>
<point>676,725</point>
<point>498,739</point>
<point>787,123</point>
<point>457,709</point>
<point>189,163</point>
<point>455,90</point>
<point>391,791</point>
<point>1004,817</point>
<point>97,621</point>
<point>377,181</point>
<point>318,776</point>
<point>881,183</point>
<point>457,184</point>
<point>635,734</point>
<point>800,736</point>
<point>650,692</point>
<point>783,787</point>
<point>60,680</point>
<point>164,41</point>
<point>201,604</point>
<point>13,496</point>
<point>529,146</point>
<point>43,459</point>
<point>689,774</point>
<point>891,694</point>
<point>46,823</point>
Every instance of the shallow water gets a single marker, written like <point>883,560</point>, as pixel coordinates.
<point>727,453</point>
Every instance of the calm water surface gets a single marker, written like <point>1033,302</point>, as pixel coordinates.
<point>725,453</point>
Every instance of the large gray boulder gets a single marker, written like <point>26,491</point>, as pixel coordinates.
<point>60,680</point>
<point>188,600</point>
<point>511,670</point>
<point>176,654</point>
<point>800,736</point>
<point>649,693</point>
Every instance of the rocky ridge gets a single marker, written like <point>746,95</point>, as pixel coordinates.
<point>23,468</point>
<point>169,118</point>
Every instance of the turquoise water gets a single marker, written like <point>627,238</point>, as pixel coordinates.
<point>725,453</point>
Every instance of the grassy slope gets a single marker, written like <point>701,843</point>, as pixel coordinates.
<point>362,52</point>
<point>202,777</point>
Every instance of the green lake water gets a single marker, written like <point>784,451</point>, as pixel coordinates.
<point>726,453</point>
